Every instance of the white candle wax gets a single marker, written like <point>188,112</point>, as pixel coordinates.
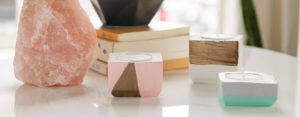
<point>244,76</point>
<point>217,36</point>
<point>134,57</point>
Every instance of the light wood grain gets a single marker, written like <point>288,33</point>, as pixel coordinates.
<point>211,52</point>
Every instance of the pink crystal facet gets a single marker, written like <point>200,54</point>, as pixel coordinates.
<point>56,43</point>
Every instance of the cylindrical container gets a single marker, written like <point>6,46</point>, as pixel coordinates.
<point>213,53</point>
<point>247,89</point>
<point>132,74</point>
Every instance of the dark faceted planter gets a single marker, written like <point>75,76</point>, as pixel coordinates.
<point>126,12</point>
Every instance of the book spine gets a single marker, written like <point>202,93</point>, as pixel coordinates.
<point>100,67</point>
<point>105,48</point>
<point>176,64</point>
<point>107,35</point>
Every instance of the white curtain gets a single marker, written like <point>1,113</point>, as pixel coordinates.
<point>278,22</point>
<point>89,9</point>
<point>230,19</point>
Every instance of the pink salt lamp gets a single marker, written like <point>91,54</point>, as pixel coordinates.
<point>56,43</point>
<point>135,74</point>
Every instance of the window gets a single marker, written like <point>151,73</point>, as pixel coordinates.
<point>201,15</point>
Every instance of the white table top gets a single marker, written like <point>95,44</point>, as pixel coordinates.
<point>179,97</point>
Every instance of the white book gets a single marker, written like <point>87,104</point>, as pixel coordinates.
<point>155,30</point>
<point>170,48</point>
<point>100,67</point>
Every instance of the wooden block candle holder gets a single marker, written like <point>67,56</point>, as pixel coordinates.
<point>247,89</point>
<point>132,74</point>
<point>213,53</point>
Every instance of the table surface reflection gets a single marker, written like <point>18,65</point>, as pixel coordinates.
<point>179,97</point>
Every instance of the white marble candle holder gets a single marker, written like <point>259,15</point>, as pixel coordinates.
<point>247,89</point>
<point>214,53</point>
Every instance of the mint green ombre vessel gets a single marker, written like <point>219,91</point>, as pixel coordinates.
<point>247,89</point>
<point>248,100</point>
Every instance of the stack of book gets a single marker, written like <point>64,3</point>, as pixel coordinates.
<point>171,40</point>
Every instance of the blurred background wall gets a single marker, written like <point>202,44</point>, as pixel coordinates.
<point>201,14</point>
<point>278,19</point>
<point>6,9</point>
<point>7,23</point>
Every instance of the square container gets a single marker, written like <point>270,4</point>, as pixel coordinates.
<point>213,53</point>
<point>135,74</point>
<point>247,89</point>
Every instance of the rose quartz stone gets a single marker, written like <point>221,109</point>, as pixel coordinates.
<point>56,43</point>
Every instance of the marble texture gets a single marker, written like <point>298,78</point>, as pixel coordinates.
<point>247,88</point>
<point>56,43</point>
<point>180,97</point>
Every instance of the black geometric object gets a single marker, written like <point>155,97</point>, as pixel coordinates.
<point>126,12</point>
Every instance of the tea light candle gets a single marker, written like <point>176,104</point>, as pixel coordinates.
<point>217,37</point>
<point>214,53</point>
<point>247,89</point>
<point>134,74</point>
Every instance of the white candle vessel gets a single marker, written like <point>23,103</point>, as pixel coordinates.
<point>214,53</point>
